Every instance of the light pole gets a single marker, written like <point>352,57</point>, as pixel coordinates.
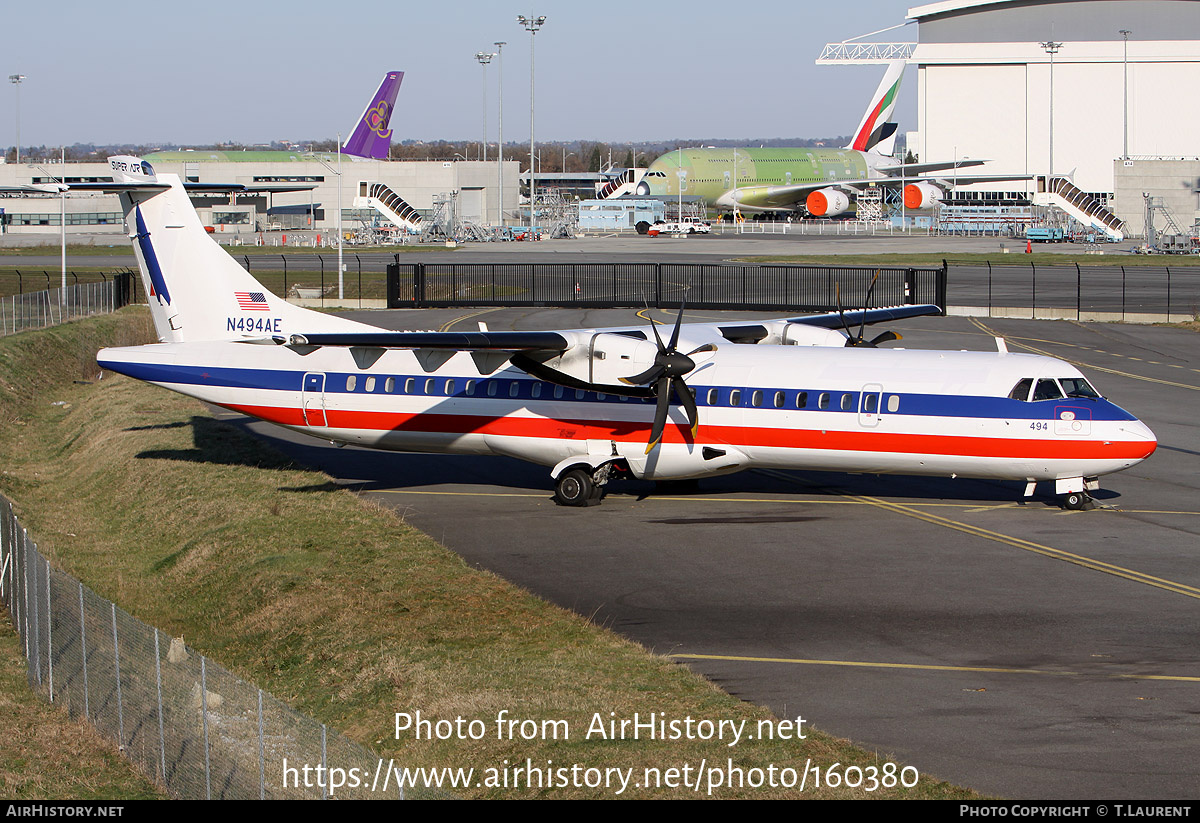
<point>531,24</point>
<point>16,79</point>
<point>1051,48</point>
<point>484,57</point>
<point>1125,104</point>
<point>500,44</point>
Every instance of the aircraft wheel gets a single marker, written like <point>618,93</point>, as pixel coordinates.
<point>576,488</point>
<point>1076,501</point>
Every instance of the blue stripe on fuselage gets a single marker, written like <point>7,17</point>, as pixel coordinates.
<point>918,405</point>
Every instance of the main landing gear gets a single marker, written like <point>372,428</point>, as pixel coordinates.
<point>582,485</point>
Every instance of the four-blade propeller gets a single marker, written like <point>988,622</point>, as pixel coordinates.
<point>666,375</point>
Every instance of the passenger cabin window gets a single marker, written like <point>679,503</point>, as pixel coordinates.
<point>869,403</point>
<point>713,396</point>
<point>847,402</point>
<point>536,391</point>
<point>1021,390</point>
<point>429,386</point>
<point>370,384</point>
<point>823,400</point>
<point>449,388</point>
<point>780,399</point>
<point>893,402</point>
<point>491,388</point>
<point>471,387</point>
<point>735,397</point>
<point>756,399</point>
<point>350,381</point>
<point>802,400</point>
<point>558,392</point>
<point>409,385</point>
<point>1047,389</point>
<point>514,388</point>
<point>389,385</point>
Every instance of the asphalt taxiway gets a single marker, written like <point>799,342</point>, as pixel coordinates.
<point>1003,644</point>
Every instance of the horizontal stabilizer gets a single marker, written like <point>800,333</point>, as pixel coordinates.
<point>462,341</point>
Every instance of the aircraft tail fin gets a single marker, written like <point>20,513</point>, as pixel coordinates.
<point>372,138</point>
<point>196,291</point>
<point>875,132</point>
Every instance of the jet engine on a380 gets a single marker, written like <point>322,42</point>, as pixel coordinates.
<point>922,196</point>
<point>827,202</point>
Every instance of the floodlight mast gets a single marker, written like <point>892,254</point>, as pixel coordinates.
<point>532,25</point>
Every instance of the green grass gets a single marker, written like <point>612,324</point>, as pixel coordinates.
<point>331,603</point>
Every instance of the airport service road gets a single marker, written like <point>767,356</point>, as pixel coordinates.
<point>632,248</point>
<point>1009,646</point>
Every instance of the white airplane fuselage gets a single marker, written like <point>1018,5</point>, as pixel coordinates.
<point>789,407</point>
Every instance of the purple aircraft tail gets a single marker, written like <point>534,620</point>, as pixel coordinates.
<point>372,137</point>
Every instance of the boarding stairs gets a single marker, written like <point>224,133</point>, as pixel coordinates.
<point>1063,194</point>
<point>391,206</point>
<point>622,184</point>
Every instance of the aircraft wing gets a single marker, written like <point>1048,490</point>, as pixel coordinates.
<point>921,168</point>
<point>458,341</point>
<point>859,317</point>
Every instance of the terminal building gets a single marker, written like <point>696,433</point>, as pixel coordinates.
<point>296,191</point>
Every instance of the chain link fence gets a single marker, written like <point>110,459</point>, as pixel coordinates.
<point>37,310</point>
<point>182,719</point>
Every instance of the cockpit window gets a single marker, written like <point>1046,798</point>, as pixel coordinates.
<point>1078,387</point>
<point>1021,390</point>
<point>1047,389</point>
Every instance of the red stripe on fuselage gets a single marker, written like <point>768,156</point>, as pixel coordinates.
<point>639,432</point>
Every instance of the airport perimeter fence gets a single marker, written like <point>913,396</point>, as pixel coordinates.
<point>784,288</point>
<point>37,310</point>
<point>1111,292</point>
<point>182,719</point>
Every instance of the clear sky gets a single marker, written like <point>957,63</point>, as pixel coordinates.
<point>175,73</point>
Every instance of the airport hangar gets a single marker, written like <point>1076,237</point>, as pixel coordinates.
<point>983,91</point>
<point>418,183</point>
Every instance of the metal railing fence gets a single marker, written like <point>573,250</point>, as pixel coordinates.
<point>182,719</point>
<point>785,288</point>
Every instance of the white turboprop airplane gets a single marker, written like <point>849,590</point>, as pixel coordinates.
<point>785,394</point>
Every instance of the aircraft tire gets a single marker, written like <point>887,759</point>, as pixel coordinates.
<point>1076,501</point>
<point>575,487</point>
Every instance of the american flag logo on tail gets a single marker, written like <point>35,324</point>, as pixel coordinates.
<point>252,301</point>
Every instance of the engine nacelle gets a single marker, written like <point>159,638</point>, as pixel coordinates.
<point>827,202</point>
<point>922,196</point>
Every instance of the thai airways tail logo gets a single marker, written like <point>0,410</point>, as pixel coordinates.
<point>377,119</point>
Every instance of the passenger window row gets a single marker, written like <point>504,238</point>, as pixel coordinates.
<point>758,398</point>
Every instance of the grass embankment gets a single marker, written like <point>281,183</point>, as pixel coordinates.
<point>332,604</point>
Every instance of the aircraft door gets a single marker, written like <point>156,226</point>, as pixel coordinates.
<point>868,405</point>
<point>312,399</point>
